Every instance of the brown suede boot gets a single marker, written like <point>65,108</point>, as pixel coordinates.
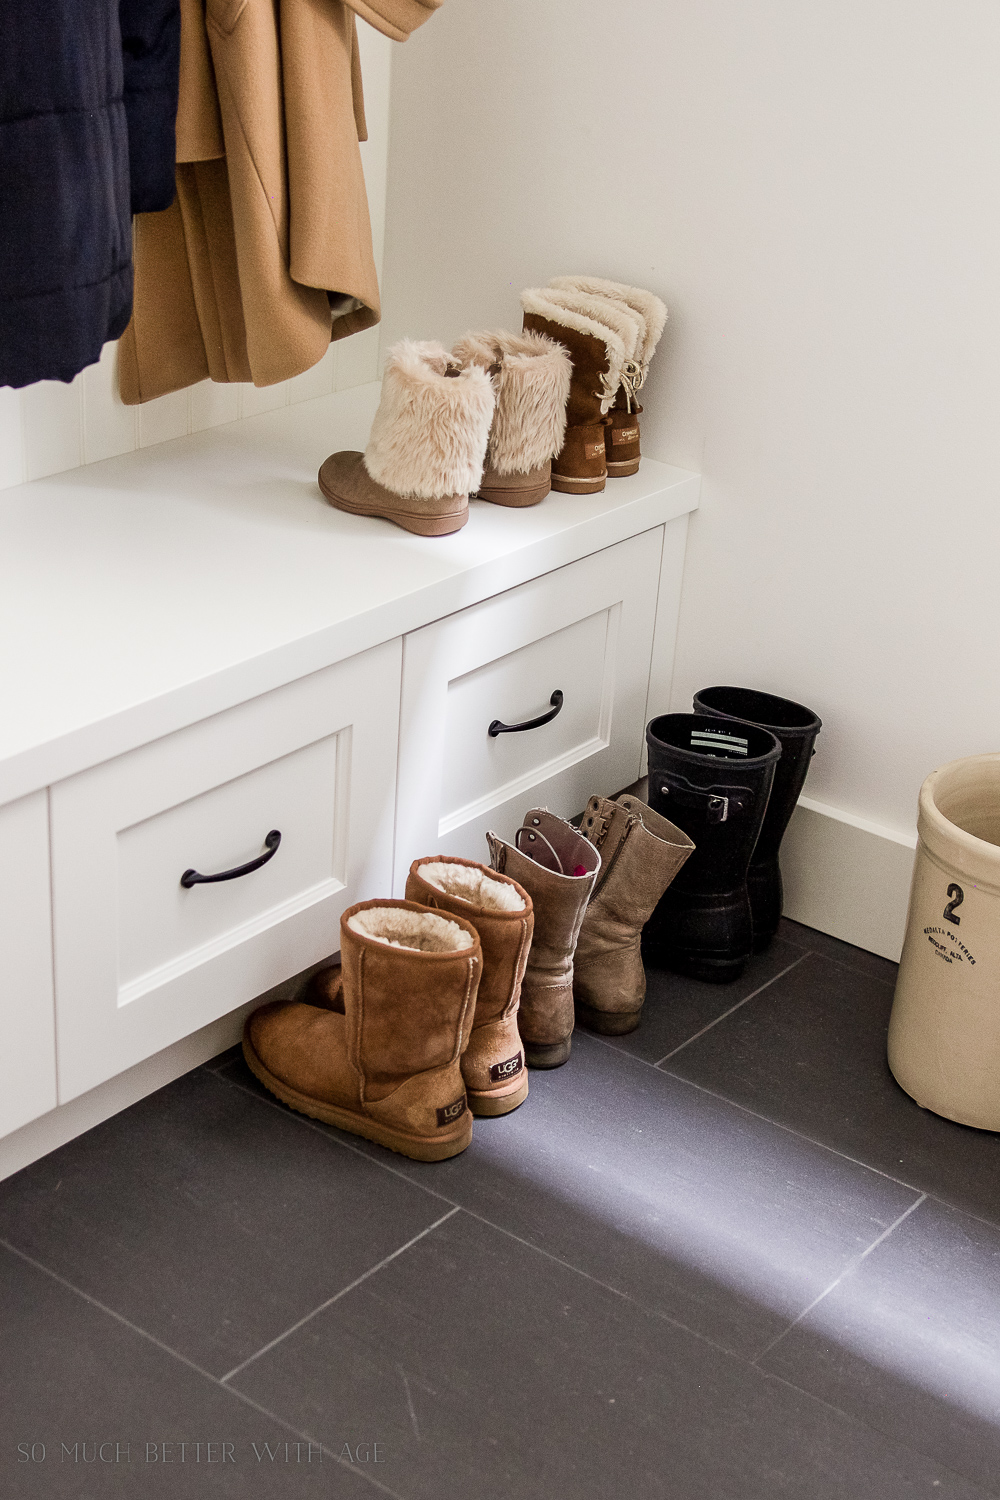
<point>427,446</point>
<point>599,352</point>
<point>501,912</point>
<point>389,1066</point>
<point>557,867</point>
<point>622,432</point>
<point>531,376</point>
<point>640,855</point>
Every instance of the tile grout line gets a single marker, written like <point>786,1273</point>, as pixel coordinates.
<point>752,995</point>
<point>190,1364</point>
<point>337,1295</point>
<point>847,1271</point>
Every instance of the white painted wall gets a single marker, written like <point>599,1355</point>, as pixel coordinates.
<point>49,427</point>
<point>815,191</point>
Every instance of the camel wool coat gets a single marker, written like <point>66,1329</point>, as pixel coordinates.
<point>266,251</point>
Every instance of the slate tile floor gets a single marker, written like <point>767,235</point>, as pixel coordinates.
<point>723,1257</point>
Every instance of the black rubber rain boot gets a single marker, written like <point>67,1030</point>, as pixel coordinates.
<point>796,728</point>
<point>712,778</point>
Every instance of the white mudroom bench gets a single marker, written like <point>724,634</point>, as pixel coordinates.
<point>197,652</point>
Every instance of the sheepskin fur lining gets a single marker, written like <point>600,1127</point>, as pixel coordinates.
<point>429,436</point>
<point>651,309</point>
<point>532,388</point>
<point>473,884</point>
<point>619,333</point>
<point>422,931</point>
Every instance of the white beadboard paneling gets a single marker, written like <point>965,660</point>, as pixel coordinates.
<point>166,417</point>
<point>315,382</point>
<point>11,445</point>
<point>52,427</point>
<point>357,359</point>
<point>255,399</point>
<point>109,427</point>
<point>212,404</point>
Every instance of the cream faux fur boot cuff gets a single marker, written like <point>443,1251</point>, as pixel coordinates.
<point>531,375</point>
<point>430,432</point>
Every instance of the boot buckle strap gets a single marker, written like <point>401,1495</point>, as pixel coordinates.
<point>717,805</point>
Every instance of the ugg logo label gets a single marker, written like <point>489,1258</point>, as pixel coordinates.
<point>508,1069</point>
<point>625,435</point>
<point>593,450</point>
<point>451,1112</point>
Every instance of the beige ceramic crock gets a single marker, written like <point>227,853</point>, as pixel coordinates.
<point>944,1032</point>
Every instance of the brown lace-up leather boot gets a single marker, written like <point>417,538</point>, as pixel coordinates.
<point>641,853</point>
<point>557,867</point>
<point>501,912</point>
<point>388,1065</point>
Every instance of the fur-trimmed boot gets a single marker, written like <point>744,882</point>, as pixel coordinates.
<point>601,338</point>
<point>531,376</point>
<point>388,1066</point>
<point>557,867</point>
<point>427,446</point>
<point>501,912</point>
<point>621,435</point>
<point>640,855</point>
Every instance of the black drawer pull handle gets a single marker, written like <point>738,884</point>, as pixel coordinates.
<point>498,727</point>
<point>191,877</point>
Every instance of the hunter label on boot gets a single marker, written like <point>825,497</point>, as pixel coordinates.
<point>451,1112</point>
<point>625,435</point>
<point>509,1069</point>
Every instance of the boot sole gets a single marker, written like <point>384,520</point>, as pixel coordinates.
<point>487,1106</point>
<point>547,1054</point>
<point>577,486</point>
<point>516,499</point>
<point>620,468</point>
<point>713,971</point>
<point>416,1147</point>
<point>607,1022</point>
<point>414,521</point>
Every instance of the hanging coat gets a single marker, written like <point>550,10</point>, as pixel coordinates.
<point>65,226</point>
<point>266,253</point>
<point>151,48</point>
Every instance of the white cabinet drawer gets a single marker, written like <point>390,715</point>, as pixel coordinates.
<point>27,1019</point>
<point>585,630</point>
<point>142,960</point>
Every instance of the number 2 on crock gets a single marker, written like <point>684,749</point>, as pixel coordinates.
<point>957,897</point>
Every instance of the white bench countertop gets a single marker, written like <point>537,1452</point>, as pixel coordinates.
<point>145,592</point>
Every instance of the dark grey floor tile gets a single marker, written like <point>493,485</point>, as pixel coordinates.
<point>676,1008</point>
<point>910,1341</point>
<point>497,1373</point>
<point>208,1218</point>
<point>846,954</point>
<point>71,1375</point>
<point>697,1209</point>
<point>809,1052</point>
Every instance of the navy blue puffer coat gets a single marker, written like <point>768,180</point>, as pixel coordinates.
<point>65,210</point>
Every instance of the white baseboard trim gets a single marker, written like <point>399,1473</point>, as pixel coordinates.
<point>847,876</point>
<point>49,1131</point>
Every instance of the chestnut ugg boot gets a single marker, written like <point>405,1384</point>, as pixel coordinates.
<point>621,435</point>
<point>388,1066</point>
<point>557,867</point>
<point>599,352</point>
<point>501,912</point>
<point>531,375</point>
<point>427,446</point>
<point>641,853</point>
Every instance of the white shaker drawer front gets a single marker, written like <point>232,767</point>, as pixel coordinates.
<point>28,1056</point>
<point>143,957</point>
<point>582,635</point>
